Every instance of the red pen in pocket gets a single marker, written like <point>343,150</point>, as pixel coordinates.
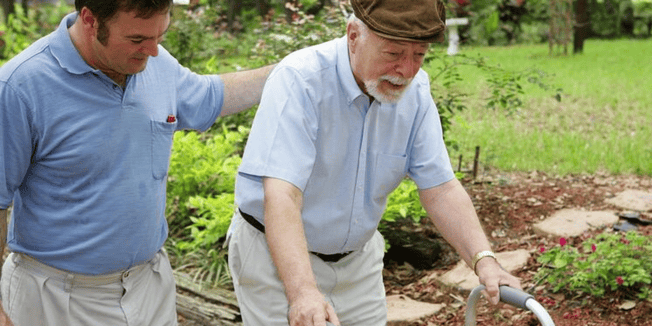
<point>171,118</point>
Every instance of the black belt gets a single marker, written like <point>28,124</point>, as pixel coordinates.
<point>260,227</point>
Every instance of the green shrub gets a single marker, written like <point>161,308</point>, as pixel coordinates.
<point>200,201</point>
<point>23,28</point>
<point>403,202</point>
<point>211,221</point>
<point>201,168</point>
<point>277,40</point>
<point>609,262</point>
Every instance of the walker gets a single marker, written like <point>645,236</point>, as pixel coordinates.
<point>512,296</point>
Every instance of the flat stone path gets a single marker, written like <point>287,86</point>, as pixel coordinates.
<point>403,309</point>
<point>635,200</point>
<point>572,222</point>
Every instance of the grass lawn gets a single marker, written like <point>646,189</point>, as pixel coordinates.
<point>603,122</point>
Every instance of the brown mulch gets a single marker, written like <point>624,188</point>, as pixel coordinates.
<point>508,205</point>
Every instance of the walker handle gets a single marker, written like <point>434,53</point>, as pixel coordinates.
<point>514,297</point>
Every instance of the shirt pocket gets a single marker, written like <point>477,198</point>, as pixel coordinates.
<point>162,136</point>
<point>390,171</point>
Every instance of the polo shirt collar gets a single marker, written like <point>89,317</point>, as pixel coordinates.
<point>64,50</point>
<point>345,74</point>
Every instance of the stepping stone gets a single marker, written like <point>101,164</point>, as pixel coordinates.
<point>463,277</point>
<point>403,309</point>
<point>633,199</point>
<point>570,222</point>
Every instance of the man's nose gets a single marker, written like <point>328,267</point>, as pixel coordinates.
<point>151,48</point>
<point>408,66</point>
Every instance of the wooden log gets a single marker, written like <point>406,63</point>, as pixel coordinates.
<point>216,295</point>
<point>205,313</point>
<point>204,305</point>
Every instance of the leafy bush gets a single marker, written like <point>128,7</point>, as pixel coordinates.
<point>200,199</point>
<point>203,168</point>
<point>277,40</point>
<point>212,220</point>
<point>17,34</point>
<point>23,28</point>
<point>610,262</point>
<point>404,203</point>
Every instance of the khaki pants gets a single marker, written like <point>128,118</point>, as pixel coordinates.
<point>353,285</point>
<point>35,294</point>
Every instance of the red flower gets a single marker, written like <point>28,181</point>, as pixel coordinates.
<point>562,241</point>
<point>593,247</point>
<point>620,280</point>
<point>542,249</point>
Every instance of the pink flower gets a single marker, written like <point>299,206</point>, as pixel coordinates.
<point>620,280</point>
<point>562,242</point>
<point>542,249</point>
<point>593,248</point>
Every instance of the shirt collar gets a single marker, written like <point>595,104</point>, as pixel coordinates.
<point>345,74</point>
<point>64,50</point>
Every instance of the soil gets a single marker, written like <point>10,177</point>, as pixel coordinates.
<point>508,205</point>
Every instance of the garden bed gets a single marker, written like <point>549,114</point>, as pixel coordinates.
<point>508,206</point>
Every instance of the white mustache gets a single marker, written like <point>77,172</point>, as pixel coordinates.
<point>395,80</point>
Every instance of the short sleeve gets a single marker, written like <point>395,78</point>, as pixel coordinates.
<point>429,161</point>
<point>15,142</point>
<point>282,140</point>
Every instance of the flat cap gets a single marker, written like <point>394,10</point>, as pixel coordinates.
<point>405,20</point>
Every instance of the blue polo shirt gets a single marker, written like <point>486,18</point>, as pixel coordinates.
<point>316,129</point>
<point>84,161</point>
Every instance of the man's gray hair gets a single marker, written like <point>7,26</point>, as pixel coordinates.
<point>364,29</point>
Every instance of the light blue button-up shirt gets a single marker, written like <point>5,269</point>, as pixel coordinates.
<point>84,161</point>
<point>316,129</point>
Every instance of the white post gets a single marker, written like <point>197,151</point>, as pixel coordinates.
<point>453,36</point>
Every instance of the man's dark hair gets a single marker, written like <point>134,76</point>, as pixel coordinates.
<point>103,10</point>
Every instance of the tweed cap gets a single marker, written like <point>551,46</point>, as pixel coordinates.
<point>405,20</point>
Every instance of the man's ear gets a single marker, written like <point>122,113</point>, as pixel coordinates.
<point>352,35</point>
<point>88,19</point>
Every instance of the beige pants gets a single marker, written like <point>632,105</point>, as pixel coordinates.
<point>35,294</point>
<point>353,285</point>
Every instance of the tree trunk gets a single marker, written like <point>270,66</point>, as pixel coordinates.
<point>235,6</point>
<point>582,25</point>
<point>8,8</point>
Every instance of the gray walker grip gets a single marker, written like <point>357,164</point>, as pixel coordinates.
<point>514,297</point>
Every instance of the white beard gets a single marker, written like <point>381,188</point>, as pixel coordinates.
<point>390,96</point>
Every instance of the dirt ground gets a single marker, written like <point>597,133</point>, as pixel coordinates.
<point>508,205</point>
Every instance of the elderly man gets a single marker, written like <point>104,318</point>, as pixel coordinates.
<point>87,116</point>
<point>339,126</point>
